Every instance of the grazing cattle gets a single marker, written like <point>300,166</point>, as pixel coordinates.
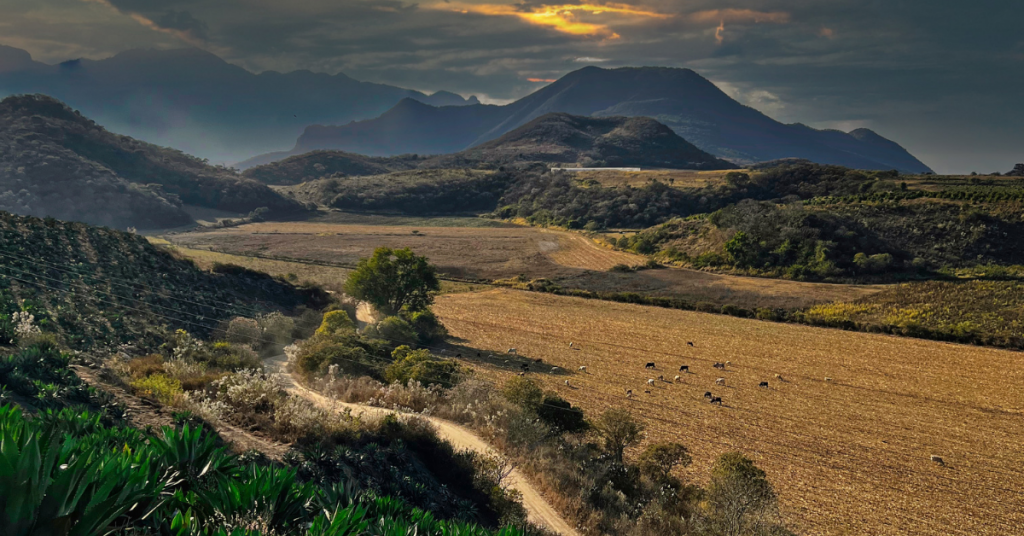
<point>554,369</point>
<point>728,363</point>
<point>649,365</point>
<point>582,369</point>
<point>707,395</point>
<point>570,345</point>
<point>661,378</point>
<point>684,368</point>
<point>719,366</point>
<point>717,400</point>
<point>513,351</point>
<point>763,384</point>
<point>778,377</point>
<point>567,383</point>
<point>720,381</point>
<point>938,460</point>
<point>525,367</point>
<point>689,344</point>
<point>678,378</point>
<point>629,393</point>
<point>827,379</point>
<point>647,391</point>
<point>650,382</point>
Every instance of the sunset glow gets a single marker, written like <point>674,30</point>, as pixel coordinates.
<point>565,18</point>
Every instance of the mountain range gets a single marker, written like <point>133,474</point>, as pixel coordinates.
<point>683,100</point>
<point>196,102</point>
<point>56,162</point>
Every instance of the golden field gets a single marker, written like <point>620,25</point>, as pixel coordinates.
<point>570,259</point>
<point>850,456</point>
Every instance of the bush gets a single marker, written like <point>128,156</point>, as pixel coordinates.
<point>275,328</point>
<point>334,321</point>
<point>658,459</point>
<point>349,352</point>
<point>141,367</point>
<point>559,414</point>
<point>739,494</point>
<point>232,357</point>
<point>619,430</point>
<point>421,366</point>
<point>164,389</point>
<point>429,330</point>
<point>249,390</point>
<point>524,393</point>
<point>243,330</point>
<point>393,329</point>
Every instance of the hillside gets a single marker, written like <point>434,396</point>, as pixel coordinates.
<point>56,162</point>
<point>437,191</point>
<point>610,141</point>
<point>193,100</point>
<point>683,100</point>
<point>316,164</point>
<point>97,287</point>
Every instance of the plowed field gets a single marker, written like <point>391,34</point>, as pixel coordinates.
<point>847,456</point>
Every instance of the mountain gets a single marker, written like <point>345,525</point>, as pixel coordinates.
<point>316,164</point>
<point>601,141</point>
<point>56,162</point>
<point>197,102</point>
<point>683,100</point>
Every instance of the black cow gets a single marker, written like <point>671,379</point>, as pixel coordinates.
<point>763,384</point>
<point>719,366</point>
<point>649,365</point>
<point>684,368</point>
<point>707,395</point>
<point>689,344</point>
<point>717,400</point>
<point>525,367</point>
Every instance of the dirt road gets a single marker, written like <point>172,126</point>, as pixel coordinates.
<point>538,511</point>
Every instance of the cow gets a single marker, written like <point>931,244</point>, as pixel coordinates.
<point>689,344</point>
<point>525,367</point>
<point>763,384</point>
<point>582,368</point>
<point>570,345</point>
<point>649,365</point>
<point>661,378</point>
<point>678,378</point>
<point>684,368</point>
<point>650,382</point>
<point>828,380</point>
<point>778,377</point>
<point>728,363</point>
<point>720,381</point>
<point>629,393</point>
<point>513,351</point>
<point>717,400</point>
<point>567,383</point>
<point>707,395</point>
<point>719,366</point>
<point>938,460</point>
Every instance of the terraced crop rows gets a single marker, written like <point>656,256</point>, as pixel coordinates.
<point>849,456</point>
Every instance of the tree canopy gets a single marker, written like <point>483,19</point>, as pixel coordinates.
<point>393,280</point>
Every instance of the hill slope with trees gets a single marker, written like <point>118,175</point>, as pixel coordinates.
<point>56,162</point>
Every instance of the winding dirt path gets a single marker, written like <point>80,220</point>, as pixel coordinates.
<point>538,511</point>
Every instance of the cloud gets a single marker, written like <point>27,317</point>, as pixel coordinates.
<point>588,59</point>
<point>826,32</point>
<point>545,80</point>
<point>180,24</point>
<point>590,20</point>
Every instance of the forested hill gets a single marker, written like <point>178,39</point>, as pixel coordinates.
<point>97,286</point>
<point>56,162</point>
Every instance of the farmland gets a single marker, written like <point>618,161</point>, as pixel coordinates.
<point>676,178</point>
<point>849,456</point>
<point>489,253</point>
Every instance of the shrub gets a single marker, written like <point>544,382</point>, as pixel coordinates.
<point>334,321</point>
<point>429,330</point>
<point>618,429</point>
<point>250,390</point>
<point>523,392</point>
<point>559,414</point>
<point>393,329</point>
<point>658,459</point>
<point>275,328</point>
<point>421,366</point>
<point>348,352</point>
<point>141,367</point>
<point>164,389</point>
<point>232,357</point>
<point>742,500</point>
<point>243,330</point>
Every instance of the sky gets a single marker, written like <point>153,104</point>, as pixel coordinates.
<point>944,78</point>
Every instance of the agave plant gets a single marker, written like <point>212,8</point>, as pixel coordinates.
<point>51,487</point>
<point>194,458</point>
<point>269,494</point>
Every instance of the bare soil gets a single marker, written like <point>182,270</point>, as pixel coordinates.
<point>847,456</point>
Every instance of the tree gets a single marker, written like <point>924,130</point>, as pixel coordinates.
<point>335,320</point>
<point>393,280</point>
<point>741,498</point>
<point>619,430</point>
<point>560,415</point>
<point>658,459</point>
<point>523,393</point>
<point>421,366</point>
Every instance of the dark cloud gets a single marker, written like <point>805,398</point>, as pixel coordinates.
<point>940,76</point>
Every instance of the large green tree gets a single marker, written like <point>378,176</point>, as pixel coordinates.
<point>393,279</point>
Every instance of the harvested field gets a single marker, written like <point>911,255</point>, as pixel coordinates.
<point>570,259</point>
<point>674,177</point>
<point>850,456</point>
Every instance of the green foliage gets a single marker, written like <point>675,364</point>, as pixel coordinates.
<point>741,498</point>
<point>560,415</point>
<point>163,388</point>
<point>393,329</point>
<point>195,457</point>
<point>523,392</point>
<point>334,321</point>
<point>316,164</point>
<point>429,330</point>
<point>421,366</point>
<point>393,280</point>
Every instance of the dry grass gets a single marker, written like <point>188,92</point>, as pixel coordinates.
<point>847,457</point>
<point>571,259</point>
<point>673,177</point>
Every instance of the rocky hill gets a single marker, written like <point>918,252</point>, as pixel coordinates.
<point>602,142</point>
<point>56,162</point>
<point>316,164</point>
<point>683,100</point>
